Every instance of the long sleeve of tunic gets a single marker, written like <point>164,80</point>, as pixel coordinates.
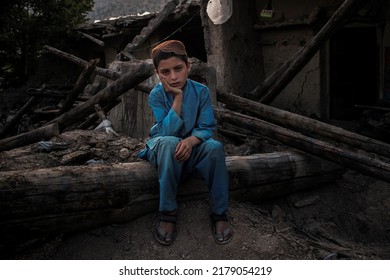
<point>196,118</point>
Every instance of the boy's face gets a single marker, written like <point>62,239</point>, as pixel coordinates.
<point>174,71</point>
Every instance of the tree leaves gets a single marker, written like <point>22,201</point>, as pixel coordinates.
<point>27,25</point>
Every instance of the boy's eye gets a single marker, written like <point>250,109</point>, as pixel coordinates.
<point>165,72</point>
<point>178,68</point>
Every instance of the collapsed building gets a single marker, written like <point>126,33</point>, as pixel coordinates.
<point>344,70</point>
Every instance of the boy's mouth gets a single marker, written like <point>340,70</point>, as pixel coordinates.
<point>175,85</point>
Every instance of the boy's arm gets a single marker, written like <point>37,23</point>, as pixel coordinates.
<point>177,95</point>
<point>168,121</point>
<point>203,131</point>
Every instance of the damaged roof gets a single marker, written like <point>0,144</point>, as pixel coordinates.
<point>118,26</point>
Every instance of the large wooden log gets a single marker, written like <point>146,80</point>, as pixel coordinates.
<point>64,199</point>
<point>351,158</point>
<point>306,125</point>
<point>281,77</point>
<point>82,63</point>
<point>141,71</point>
<point>42,133</point>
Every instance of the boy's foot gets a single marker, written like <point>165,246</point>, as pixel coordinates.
<point>221,229</point>
<point>166,228</point>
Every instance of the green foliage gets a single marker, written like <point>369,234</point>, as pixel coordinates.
<point>27,25</point>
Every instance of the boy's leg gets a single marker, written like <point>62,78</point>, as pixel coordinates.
<point>208,159</point>
<point>169,172</point>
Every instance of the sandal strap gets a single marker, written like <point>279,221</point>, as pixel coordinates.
<point>217,218</point>
<point>168,218</point>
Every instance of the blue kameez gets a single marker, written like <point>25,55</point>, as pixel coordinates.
<point>207,158</point>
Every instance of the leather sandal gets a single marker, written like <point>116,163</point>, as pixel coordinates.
<point>225,236</point>
<point>165,238</point>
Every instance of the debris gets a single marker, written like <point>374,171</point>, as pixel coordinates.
<point>106,126</point>
<point>48,146</point>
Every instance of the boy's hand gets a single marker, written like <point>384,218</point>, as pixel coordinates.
<point>168,88</point>
<point>184,148</point>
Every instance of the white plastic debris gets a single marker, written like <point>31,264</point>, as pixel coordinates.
<point>107,126</point>
<point>219,11</point>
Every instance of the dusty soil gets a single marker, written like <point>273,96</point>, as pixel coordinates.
<point>345,219</point>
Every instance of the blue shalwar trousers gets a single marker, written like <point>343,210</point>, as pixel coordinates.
<point>207,159</point>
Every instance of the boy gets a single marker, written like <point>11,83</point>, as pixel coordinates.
<point>181,141</point>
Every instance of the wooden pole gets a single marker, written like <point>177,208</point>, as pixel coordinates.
<point>81,83</point>
<point>82,63</point>
<point>141,71</point>
<point>39,134</point>
<point>350,158</point>
<point>306,125</point>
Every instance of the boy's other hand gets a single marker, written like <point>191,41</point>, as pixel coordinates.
<point>184,148</point>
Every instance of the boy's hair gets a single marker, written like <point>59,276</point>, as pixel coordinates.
<point>168,49</point>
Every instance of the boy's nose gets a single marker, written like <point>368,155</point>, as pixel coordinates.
<point>173,76</point>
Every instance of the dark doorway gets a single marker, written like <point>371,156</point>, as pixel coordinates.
<point>354,71</point>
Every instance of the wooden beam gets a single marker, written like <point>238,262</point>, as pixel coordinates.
<point>152,26</point>
<point>80,85</point>
<point>348,157</point>
<point>39,134</point>
<point>141,71</point>
<point>82,63</point>
<point>306,125</point>
<point>93,39</point>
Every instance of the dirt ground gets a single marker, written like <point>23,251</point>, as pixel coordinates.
<point>345,219</point>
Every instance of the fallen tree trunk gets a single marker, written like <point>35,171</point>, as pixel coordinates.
<point>350,158</point>
<point>306,125</point>
<point>42,133</point>
<point>37,203</point>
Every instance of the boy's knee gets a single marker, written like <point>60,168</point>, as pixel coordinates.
<point>168,142</point>
<point>213,146</point>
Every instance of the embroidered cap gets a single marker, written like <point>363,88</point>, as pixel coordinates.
<point>171,46</point>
